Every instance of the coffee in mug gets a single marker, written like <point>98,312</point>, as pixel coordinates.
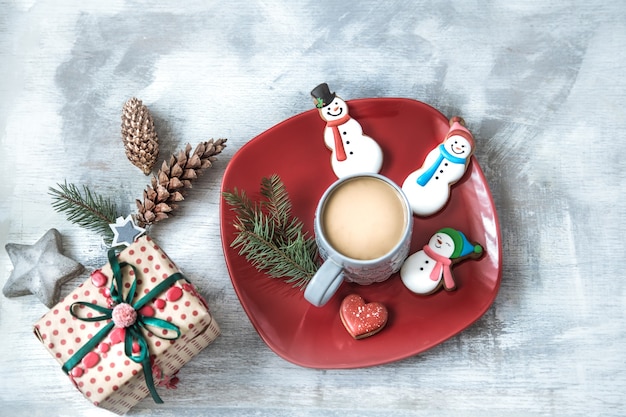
<point>363,218</point>
<point>363,227</point>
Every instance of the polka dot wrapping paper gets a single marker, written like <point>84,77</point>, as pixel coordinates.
<point>106,375</point>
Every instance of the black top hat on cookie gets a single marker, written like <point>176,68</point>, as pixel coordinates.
<point>322,95</point>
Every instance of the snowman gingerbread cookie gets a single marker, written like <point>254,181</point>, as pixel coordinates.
<point>429,269</point>
<point>352,152</point>
<point>428,188</point>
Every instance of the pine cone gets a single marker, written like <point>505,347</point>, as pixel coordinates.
<point>140,138</point>
<point>160,199</point>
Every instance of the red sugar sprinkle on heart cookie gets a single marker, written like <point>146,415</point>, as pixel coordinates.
<point>362,319</point>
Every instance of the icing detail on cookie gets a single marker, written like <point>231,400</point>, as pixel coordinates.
<point>428,188</point>
<point>429,269</point>
<point>352,151</point>
<point>362,319</point>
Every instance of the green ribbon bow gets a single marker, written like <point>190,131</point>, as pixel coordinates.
<point>133,332</point>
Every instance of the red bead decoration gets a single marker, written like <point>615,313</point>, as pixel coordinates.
<point>147,311</point>
<point>90,360</point>
<point>98,279</point>
<point>117,335</point>
<point>173,294</point>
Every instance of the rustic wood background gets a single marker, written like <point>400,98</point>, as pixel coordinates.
<point>541,84</point>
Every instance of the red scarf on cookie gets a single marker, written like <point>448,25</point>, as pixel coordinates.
<point>340,152</point>
<point>441,268</point>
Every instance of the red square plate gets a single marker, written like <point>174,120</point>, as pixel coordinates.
<point>314,336</point>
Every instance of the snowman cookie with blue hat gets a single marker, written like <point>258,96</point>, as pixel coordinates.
<point>352,152</point>
<point>428,188</point>
<point>429,269</point>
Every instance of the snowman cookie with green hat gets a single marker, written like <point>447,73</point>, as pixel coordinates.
<point>429,269</point>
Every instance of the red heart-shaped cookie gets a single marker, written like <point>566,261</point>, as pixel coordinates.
<point>362,319</point>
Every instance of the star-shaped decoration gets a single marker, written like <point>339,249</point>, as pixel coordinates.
<point>125,231</point>
<point>40,269</point>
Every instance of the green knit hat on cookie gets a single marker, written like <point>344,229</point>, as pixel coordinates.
<point>462,246</point>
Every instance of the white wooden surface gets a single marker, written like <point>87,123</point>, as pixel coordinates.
<point>541,84</point>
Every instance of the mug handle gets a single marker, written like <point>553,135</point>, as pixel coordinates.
<point>324,283</point>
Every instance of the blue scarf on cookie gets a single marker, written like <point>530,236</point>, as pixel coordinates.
<point>443,154</point>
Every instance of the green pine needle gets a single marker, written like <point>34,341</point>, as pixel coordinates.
<point>86,209</point>
<point>277,200</point>
<point>269,237</point>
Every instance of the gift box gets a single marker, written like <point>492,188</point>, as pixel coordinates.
<point>129,328</point>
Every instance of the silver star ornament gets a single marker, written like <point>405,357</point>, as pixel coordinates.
<point>40,269</point>
<point>125,231</point>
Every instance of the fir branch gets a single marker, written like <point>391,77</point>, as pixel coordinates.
<point>269,237</point>
<point>277,201</point>
<point>242,206</point>
<point>86,209</point>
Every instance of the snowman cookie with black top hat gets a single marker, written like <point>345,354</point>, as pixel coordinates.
<point>352,152</point>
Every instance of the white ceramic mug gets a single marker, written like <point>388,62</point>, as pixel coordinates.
<point>363,226</point>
